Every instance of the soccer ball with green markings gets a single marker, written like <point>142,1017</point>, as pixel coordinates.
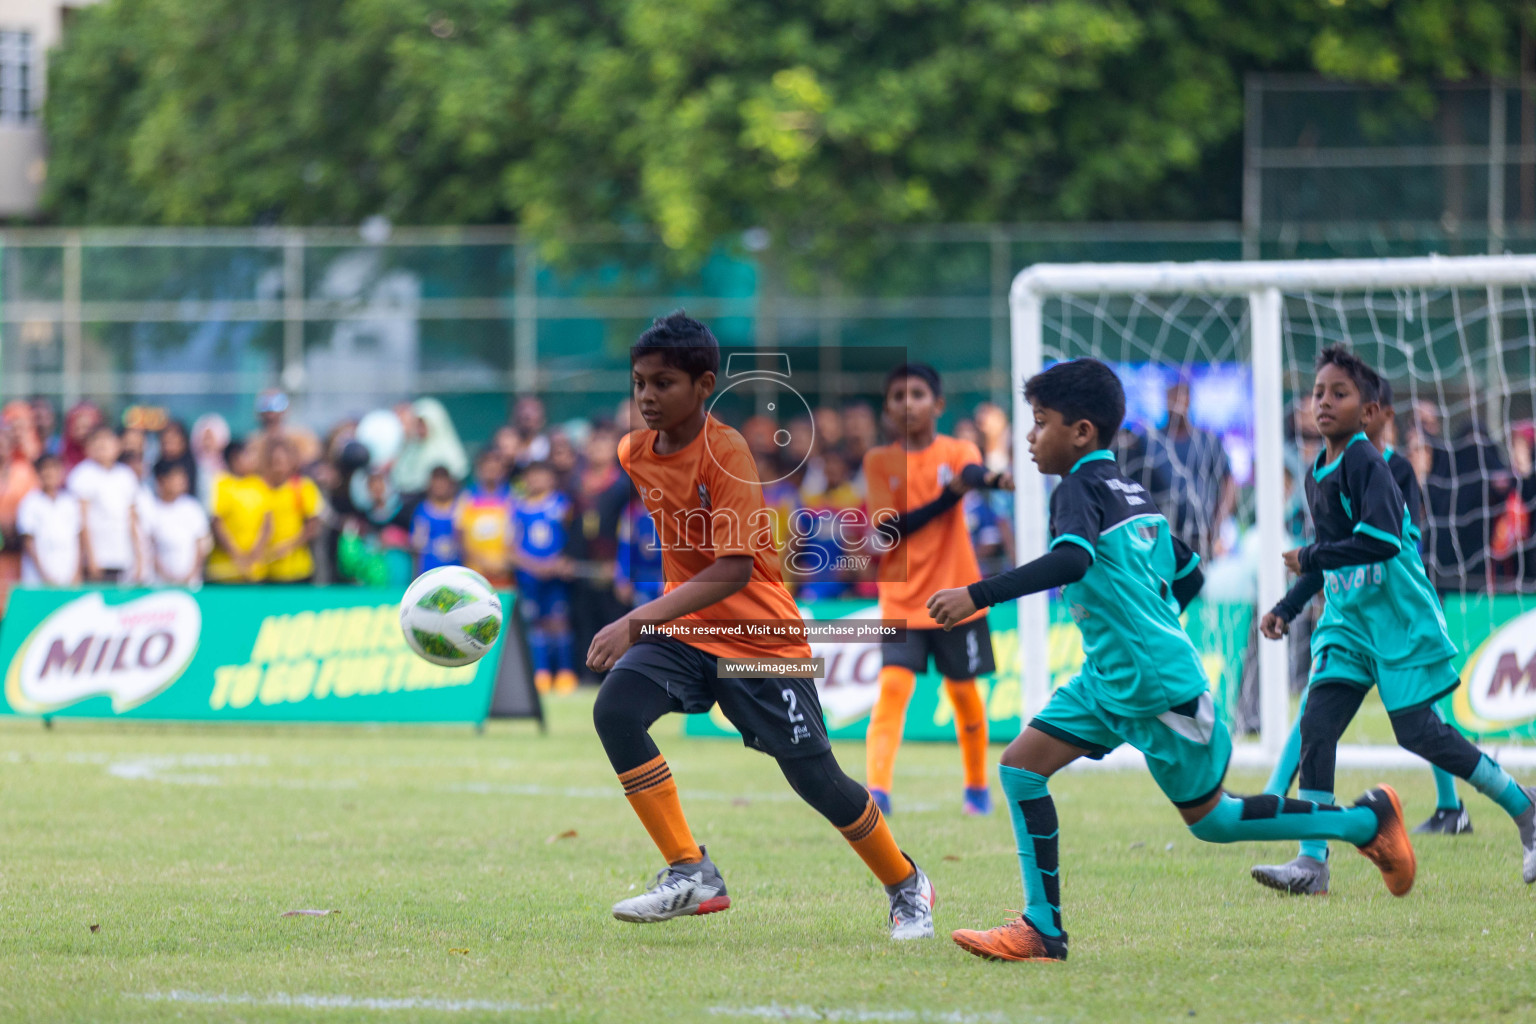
<point>450,615</point>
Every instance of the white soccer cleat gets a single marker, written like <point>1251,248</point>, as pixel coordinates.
<point>684,890</point>
<point>912,907</point>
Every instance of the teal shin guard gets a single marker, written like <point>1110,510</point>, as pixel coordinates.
<point>1445,782</point>
<point>1495,783</point>
<point>1268,817</point>
<point>1445,790</point>
<point>1317,849</point>
<point>1034,827</point>
<point>1279,782</point>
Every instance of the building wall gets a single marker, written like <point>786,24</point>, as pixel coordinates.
<point>22,150</point>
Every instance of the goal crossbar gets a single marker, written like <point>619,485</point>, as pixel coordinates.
<point>1214,277</point>
<point>1263,283</point>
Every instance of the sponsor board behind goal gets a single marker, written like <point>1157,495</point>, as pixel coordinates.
<point>273,654</point>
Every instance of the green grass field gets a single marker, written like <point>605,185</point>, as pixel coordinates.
<point>144,872</point>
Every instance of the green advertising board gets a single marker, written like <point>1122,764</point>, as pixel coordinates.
<point>240,654</point>
<point>1497,636</point>
<point>852,682</point>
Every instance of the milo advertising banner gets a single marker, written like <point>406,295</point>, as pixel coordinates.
<point>852,681</point>
<point>248,654</point>
<point>1497,637</point>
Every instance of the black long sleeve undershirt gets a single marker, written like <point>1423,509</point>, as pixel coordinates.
<point>1187,586</point>
<point>1356,549</point>
<point>1303,590</point>
<point>1056,568</point>
<point>895,530</point>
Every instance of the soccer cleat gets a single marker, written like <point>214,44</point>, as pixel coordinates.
<point>1527,825</point>
<point>542,680</point>
<point>1304,876</point>
<point>1391,851</point>
<point>682,890</point>
<point>912,906</point>
<point>1016,940</point>
<point>882,800</point>
<point>1447,821</point>
<point>564,681</point>
<point>977,801</point>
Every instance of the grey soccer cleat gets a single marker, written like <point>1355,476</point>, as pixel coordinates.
<point>1304,876</point>
<point>682,890</point>
<point>912,907</point>
<point>1527,825</point>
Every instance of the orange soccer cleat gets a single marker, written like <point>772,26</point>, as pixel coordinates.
<point>1016,940</point>
<point>1391,851</point>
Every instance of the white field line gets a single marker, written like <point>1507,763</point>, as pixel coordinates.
<point>310,1002</point>
<point>779,1011</point>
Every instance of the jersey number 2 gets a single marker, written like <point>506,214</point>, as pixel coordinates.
<point>789,698</point>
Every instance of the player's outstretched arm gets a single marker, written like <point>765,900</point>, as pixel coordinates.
<point>716,582</point>
<point>1064,564</point>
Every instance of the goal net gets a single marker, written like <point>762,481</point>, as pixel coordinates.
<point>1217,361</point>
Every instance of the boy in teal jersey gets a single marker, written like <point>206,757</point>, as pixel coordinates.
<point>1450,817</point>
<point>1381,624</point>
<point>1142,682</point>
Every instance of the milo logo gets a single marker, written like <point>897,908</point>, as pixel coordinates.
<point>1499,681</point>
<point>88,648</point>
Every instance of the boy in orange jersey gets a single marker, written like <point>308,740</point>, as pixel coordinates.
<point>700,487</point>
<point>914,488</point>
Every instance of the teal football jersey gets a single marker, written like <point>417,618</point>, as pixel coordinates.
<point>1386,610</point>
<point>1139,661</point>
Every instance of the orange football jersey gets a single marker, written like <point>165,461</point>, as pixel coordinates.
<point>706,502</point>
<point>937,557</point>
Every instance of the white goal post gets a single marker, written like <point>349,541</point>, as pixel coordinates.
<point>1264,285</point>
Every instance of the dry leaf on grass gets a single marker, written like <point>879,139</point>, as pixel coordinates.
<point>460,952</point>
<point>569,833</point>
<point>309,913</point>
<point>95,928</point>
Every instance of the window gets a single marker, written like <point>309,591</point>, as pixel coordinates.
<point>18,95</point>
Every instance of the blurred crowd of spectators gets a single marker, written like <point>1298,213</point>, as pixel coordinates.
<point>546,509</point>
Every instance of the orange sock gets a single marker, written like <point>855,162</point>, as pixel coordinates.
<point>883,737</point>
<point>871,839</point>
<point>971,728</point>
<point>653,795</point>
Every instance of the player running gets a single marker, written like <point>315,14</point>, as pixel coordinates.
<point>1381,623</point>
<point>914,492</point>
<point>700,486</point>
<point>1142,682</point>
<point>1450,817</point>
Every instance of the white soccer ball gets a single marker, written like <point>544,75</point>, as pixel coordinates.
<point>450,615</point>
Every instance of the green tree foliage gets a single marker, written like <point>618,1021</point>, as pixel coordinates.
<point>818,119</point>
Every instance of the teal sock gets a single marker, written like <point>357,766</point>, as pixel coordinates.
<point>1242,819</point>
<point>1279,782</point>
<point>1317,849</point>
<point>1034,827</point>
<point>1495,784</point>
<point>1445,790</point>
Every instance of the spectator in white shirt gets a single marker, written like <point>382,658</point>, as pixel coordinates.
<point>108,493</point>
<point>49,522</point>
<point>176,528</point>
